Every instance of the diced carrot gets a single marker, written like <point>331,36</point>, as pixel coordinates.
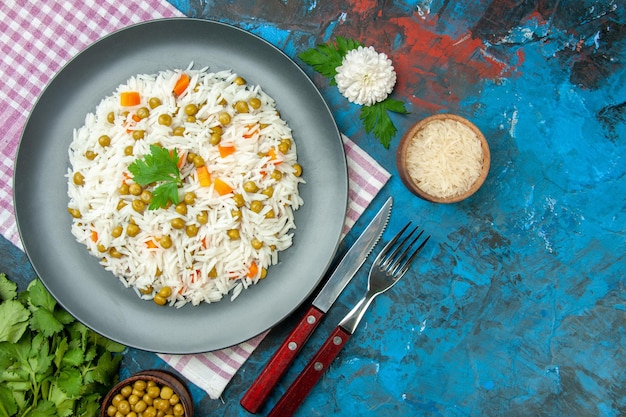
<point>225,150</point>
<point>94,236</point>
<point>221,187</point>
<point>129,98</point>
<point>182,157</point>
<point>204,242</point>
<point>181,84</point>
<point>254,269</point>
<point>136,118</point>
<point>151,244</point>
<point>250,130</point>
<point>274,157</point>
<point>204,178</point>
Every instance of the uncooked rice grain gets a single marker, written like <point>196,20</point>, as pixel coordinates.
<point>444,158</point>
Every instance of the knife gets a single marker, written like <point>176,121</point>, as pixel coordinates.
<point>260,389</point>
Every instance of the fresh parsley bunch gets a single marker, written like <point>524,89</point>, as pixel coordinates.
<point>326,58</point>
<point>50,364</point>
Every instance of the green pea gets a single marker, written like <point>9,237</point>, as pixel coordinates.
<point>165,119</point>
<point>104,140</point>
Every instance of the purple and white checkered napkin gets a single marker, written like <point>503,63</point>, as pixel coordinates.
<point>37,39</point>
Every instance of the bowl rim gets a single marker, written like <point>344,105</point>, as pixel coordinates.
<point>410,183</point>
<point>159,376</point>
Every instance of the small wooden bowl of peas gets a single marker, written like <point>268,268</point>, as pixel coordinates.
<point>149,393</point>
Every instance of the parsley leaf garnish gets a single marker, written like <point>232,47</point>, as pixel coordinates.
<point>159,166</point>
<point>325,59</point>
<point>376,119</point>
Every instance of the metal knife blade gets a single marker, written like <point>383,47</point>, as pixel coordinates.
<point>263,385</point>
<point>353,259</point>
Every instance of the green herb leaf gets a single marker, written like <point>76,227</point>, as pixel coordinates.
<point>395,106</point>
<point>70,381</point>
<point>73,357</point>
<point>90,353</point>
<point>376,119</point>
<point>327,57</point>
<point>44,321</point>
<point>78,335</point>
<point>60,351</point>
<point>14,321</point>
<point>40,361</point>
<point>12,355</point>
<point>7,400</point>
<point>107,367</point>
<point>43,409</point>
<point>8,289</point>
<point>159,166</point>
<point>168,191</point>
<point>40,297</point>
<point>156,166</point>
<point>63,403</point>
<point>344,45</point>
<point>63,316</point>
<point>6,359</point>
<point>89,406</point>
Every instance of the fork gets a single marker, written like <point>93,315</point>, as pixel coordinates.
<point>387,269</point>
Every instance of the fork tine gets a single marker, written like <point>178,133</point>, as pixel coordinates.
<point>382,258</point>
<point>393,258</point>
<point>408,263</point>
<point>401,259</point>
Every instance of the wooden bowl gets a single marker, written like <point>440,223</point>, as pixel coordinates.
<point>161,378</point>
<point>413,184</point>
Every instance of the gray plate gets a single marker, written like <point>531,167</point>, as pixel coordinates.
<point>93,295</point>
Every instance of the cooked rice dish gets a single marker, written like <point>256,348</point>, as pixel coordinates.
<point>184,183</point>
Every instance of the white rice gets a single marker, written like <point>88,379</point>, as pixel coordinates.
<point>185,267</point>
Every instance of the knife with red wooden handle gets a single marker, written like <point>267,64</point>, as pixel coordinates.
<point>259,391</point>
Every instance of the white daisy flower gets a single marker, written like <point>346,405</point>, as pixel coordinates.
<point>365,76</point>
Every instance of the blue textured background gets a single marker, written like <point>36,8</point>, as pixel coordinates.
<point>517,306</point>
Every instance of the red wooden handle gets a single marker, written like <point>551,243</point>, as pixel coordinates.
<point>297,392</point>
<point>261,388</point>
